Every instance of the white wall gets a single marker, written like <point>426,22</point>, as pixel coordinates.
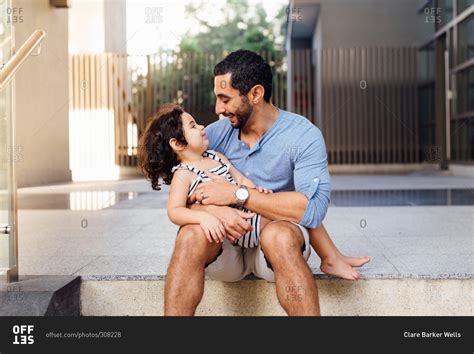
<point>86,26</point>
<point>115,23</point>
<point>97,26</point>
<point>42,85</point>
<point>41,97</point>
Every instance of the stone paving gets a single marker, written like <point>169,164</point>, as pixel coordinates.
<point>120,229</point>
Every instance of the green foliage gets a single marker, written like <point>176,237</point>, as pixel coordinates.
<point>185,76</point>
<point>242,27</point>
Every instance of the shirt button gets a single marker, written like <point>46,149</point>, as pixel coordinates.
<point>246,173</point>
<point>316,180</point>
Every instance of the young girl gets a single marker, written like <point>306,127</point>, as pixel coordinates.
<point>180,156</point>
<point>174,147</point>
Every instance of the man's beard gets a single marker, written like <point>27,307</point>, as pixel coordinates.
<point>242,114</point>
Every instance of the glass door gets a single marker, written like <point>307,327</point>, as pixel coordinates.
<point>8,208</point>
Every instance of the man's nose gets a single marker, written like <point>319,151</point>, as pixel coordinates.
<point>220,109</point>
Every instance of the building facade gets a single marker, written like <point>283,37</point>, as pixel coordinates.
<point>391,81</point>
<point>446,80</point>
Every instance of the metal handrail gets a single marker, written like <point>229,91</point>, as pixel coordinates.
<point>12,66</point>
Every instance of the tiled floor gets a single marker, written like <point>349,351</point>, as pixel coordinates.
<point>95,200</point>
<point>113,229</point>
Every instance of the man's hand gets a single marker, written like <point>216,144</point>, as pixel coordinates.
<point>217,191</point>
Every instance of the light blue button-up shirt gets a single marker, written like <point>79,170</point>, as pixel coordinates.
<point>290,156</point>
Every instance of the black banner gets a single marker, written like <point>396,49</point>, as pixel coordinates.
<point>212,334</point>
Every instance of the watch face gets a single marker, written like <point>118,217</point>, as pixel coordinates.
<point>242,194</point>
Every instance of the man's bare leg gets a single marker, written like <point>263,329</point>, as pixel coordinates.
<point>281,242</point>
<point>333,262</point>
<point>184,284</point>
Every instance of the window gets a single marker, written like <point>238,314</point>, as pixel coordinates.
<point>426,96</point>
<point>464,4</point>
<point>466,39</point>
<point>462,139</point>
<point>426,63</point>
<point>443,13</point>
<point>465,90</point>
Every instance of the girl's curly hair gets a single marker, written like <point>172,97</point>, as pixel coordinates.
<point>156,158</point>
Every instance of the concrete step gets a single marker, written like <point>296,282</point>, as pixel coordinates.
<point>421,250</point>
<point>49,295</point>
<point>419,296</point>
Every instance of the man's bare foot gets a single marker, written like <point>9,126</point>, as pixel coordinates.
<point>339,267</point>
<point>356,261</point>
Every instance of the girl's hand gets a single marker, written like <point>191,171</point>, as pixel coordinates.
<point>213,228</point>
<point>264,190</point>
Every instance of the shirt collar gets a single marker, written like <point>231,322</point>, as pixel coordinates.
<point>268,133</point>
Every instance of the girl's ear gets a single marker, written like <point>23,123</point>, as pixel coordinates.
<point>176,145</point>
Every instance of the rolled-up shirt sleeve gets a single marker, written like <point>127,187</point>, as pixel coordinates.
<point>311,177</point>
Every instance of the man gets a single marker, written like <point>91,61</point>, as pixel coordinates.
<point>277,150</point>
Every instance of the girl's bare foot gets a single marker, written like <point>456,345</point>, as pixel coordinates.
<point>356,261</point>
<point>339,267</point>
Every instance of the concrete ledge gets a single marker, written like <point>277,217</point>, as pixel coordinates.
<point>366,297</point>
<point>41,296</point>
<point>459,276</point>
<point>388,168</point>
<point>130,171</point>
<point>462,170</point>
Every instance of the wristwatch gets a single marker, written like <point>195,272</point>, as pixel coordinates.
<point>241,195</point>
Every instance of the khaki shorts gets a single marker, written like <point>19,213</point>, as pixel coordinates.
<point>235,262</point>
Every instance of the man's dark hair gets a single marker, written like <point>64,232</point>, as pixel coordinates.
<point>247,69</point>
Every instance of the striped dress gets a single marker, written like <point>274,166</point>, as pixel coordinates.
<point>251,238</point>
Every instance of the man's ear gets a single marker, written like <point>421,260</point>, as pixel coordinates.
<point>256,94</point>
<point>176,145</point>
